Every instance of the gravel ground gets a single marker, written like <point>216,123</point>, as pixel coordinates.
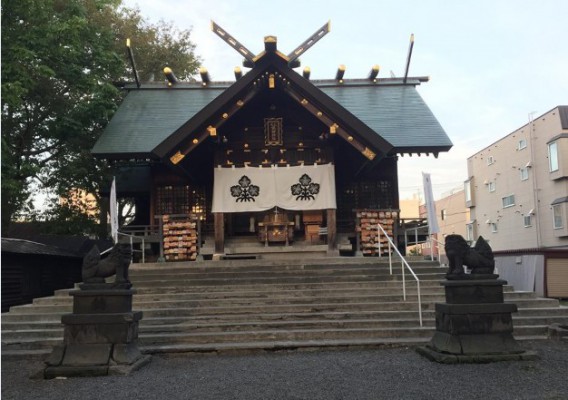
<point>398,373</point>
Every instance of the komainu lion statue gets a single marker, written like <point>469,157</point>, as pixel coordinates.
<point>117,262</point>
<point>478,258</point>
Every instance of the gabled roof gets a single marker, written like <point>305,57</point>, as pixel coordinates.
<point>386,115</point>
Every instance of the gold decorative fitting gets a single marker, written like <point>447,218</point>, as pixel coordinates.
<point>176,158</point>
<point>333,129</point>
<point>225,115</point>
<point>369,153</point>
<point>271,81</point>
<point>212,130</point>
<point>304,101</point>
<point>320,113</point>
<point>300,144</point>
<point>350,138</point>
<point>246,145</point>
<point>195,141</point>
<point>240,103</point>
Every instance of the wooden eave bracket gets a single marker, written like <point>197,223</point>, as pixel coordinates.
<point>334,128</point>
<point>211,128</point>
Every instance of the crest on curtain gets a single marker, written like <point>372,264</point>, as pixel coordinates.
<point>305,190</point>
<point>244,191</point>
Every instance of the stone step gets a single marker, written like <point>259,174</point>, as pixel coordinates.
<point>246,347</point>
<point>429,293</point>
<point>280,335</point>
<point>152,339</point>
<point>219,327</point>
<point>279,280</point>
<point>174,287</point>
<point>208,322</point>
<point>153,302</point>
<point>312,272</point>
<point>274,265</point>
<point>253,295</point>
<point>305,305</point>
<point>543,311</point>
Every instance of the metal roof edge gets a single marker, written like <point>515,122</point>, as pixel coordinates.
<point>218,85</point>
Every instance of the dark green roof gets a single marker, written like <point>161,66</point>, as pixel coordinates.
<point>397,113</point>
<point>394,111</point>
<point>146,117</point>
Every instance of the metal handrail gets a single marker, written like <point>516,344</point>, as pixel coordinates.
<point>132,245</point>
<point>404,263</point>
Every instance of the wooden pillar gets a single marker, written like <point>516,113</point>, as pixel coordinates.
<point>331,231</point>
<point>219,233</point>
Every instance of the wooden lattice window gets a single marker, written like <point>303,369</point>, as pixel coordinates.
<point>182,199</point>
<point>363,195</point>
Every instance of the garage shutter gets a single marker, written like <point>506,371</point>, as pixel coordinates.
<point>557,277</point>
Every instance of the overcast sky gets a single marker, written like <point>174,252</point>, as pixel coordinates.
<point>491,62</point>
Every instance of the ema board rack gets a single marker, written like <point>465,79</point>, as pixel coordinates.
<point>180,234</point>
<point>369,242</point>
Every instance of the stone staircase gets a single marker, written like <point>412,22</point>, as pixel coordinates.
<point>238,305</point>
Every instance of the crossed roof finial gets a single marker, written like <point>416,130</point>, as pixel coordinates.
<point>250,58</point>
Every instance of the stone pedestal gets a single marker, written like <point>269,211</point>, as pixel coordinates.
<point>474,325</point>
<point>100,336</point>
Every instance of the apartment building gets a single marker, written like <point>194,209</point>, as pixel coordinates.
<point>517,193</point>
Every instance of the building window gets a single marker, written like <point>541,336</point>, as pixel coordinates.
<point>508,201</point>
<point>557,217</point>
<point>491,186</point>
<point>469,231</point>
<point>524,173</point>
<point>522,144</point>
<point>553,156</point>
<point>467,190</point>
<point>493,226</point>
<point>490,160</point>
<point>527,219</point>
<point>444,214</point>
<point>179,199</point>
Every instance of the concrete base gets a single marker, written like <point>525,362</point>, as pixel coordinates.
<point>100,337</point>
<point>474,325</point>
<point>558,332</point>
<point>111,368</point>
<point>445,358</point>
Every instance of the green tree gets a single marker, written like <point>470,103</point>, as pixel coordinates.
<point>60,59</point>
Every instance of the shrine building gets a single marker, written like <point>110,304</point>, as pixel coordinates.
<point>273,157</point>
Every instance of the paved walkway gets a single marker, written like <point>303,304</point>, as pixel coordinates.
<point>357,374</point>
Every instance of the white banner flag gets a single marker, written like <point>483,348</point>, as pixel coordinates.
<point>430,205</point>
<point>260,189</point>
<point>113,212</point>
